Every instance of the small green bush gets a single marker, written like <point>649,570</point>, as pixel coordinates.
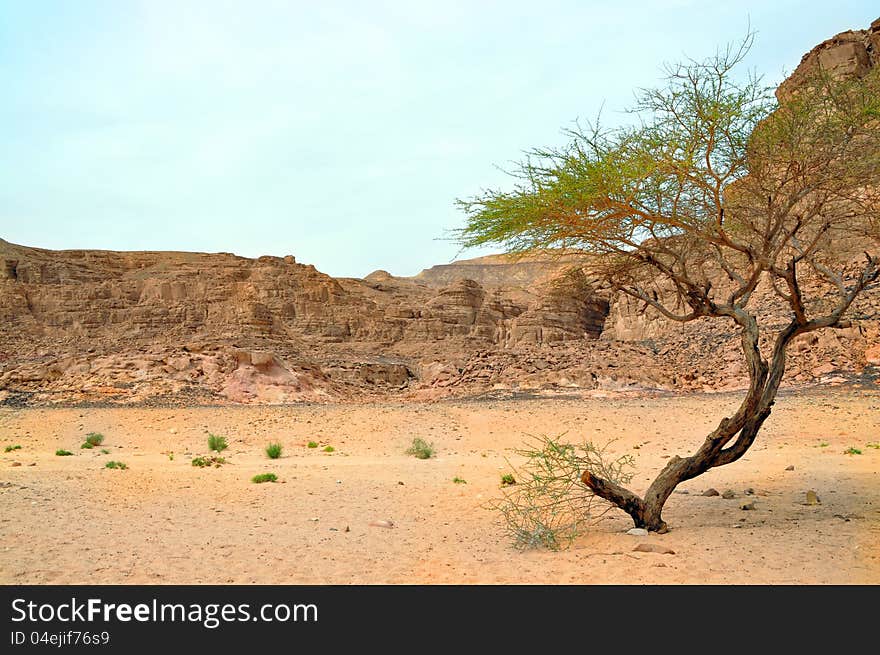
<point>329,449</point>
<point>202,462</point>
<point>273,450</point>
<point>87,445</point>
<point>312,444</point>
<point>868,445</point>
<point>104,451</point>
<point>507,480</point>
<point>217,443</point>
<point>63,453</point>
<point>458,480</point>
<point>9,449</point>
<point>421,449</point>
<point>94,439</point>
<point>116,465</point>
<point>264,477</point>
<point>852,451</point>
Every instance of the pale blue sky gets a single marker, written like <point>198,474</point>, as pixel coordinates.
<point>339,132</point>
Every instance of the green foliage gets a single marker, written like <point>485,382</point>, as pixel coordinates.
<point>273,450</point>
<point>170,457</point>
<point>550,506</point>
<point>9,449</point>
<point>104,451</point>
<point>823,445</point>
<point>458,480</point>
<point>873,445</point>
<point>329,449</point>
<point>508,480</point>
<point>63,453</point>
<point>420,449</point>
<point>94,439</point>
<point>87,445</point>
<point>217,443</point>
<point>312,444</point>
<point>852,451</point>
<point>264,477</point>
<point>203,462</point>
<point>116,465</point>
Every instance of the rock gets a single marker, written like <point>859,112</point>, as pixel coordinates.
<point>711,492</point>
<point>812,498</point>
<point>382,524</point>
<point>637,532</point>
<point>16,463</point>
<point>790,467</point>
<point>647,547</point>
<point>728,494</point>
<point>747,506</point>
<point>749,492</point>
<point>683,492</point>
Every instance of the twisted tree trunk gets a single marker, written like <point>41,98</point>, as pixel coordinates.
<point>727,443</point>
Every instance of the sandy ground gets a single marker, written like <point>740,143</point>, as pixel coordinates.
<point>71,520</point>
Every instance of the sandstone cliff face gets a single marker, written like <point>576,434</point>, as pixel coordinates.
<point>141,324</point>
<point>851,53</point>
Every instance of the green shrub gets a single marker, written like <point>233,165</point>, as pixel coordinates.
<point>273,450</point>
<point>312,444</point>
<point>87,445</point>
<point>202,462</point>
<point>852,451</point>
<point>217,443</point>
<point>63,453</point>
<point>94,438</point>
<point>329,449</point>
<point>264,477</point>
<point>458,480</point>
<point>421,449</point>
<point>9,449</point>
<point>116,465</point>
<point>551,506</point>
<point>104,451</point>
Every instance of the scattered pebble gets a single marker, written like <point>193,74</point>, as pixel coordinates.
<point>747,506</point>
<point>728,494</point>
<point>812,498</point>
<point>711,492</point>
<point>790,467</point>
<point>16,463</point>
<point>637,532</point>
<point>382,524</point>
<point>684,492</point>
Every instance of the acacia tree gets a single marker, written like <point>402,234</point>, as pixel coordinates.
<point>716,190</point>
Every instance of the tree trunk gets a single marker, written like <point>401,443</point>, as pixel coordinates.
<point>741,429</point>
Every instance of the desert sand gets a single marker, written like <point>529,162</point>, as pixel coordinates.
<point>162,521</point>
